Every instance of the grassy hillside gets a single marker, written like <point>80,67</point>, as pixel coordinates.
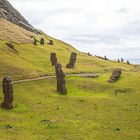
<point>31,61</point>
<point>92,109</point>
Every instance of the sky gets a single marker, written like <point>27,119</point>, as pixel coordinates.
<point>101,27</point>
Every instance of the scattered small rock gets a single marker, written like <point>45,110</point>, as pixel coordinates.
<point>8,126</point>
<point>118,129</point>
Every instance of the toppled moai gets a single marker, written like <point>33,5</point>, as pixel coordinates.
<point>42,42</point>
<point>8,93</point>
<point>60,77</point>
<point>53,58</point>
<point>115,75</point>
<point>11,46</point>
<point>72,62</point>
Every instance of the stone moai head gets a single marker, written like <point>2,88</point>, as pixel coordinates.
<point>122,60</point>
<point>35,41</point>
<point>53,58</point>
<point>115,75</point>
<point>128,62</point>
<point>72,62</point>
<point>42,42</point>
<point>8,93</point>
<point>51,42</point>
<point>60,76</point>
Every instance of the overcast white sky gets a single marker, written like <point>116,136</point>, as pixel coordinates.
<point>102,27</point>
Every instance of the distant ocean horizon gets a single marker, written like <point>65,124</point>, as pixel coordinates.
<point>135,61</point>
<point>132,61</point>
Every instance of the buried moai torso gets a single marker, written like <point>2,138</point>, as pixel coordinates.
<point>72,60</point>
<point>115,75</point>
<point>60,76</point>
<point>53,58</point>
<point>8,93</point>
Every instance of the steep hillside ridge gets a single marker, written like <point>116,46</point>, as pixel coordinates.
<point>14,33</point>
<point>29,61</point>
<point>7,11</point>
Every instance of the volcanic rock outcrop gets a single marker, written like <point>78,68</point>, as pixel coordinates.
<point>8,12</point>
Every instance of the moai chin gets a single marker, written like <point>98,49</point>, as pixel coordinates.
<point>8,93</point>
<point>53,58</point>
<point>115,75</point>
<point>42,42</point>
<point>60,76</point>
<point>72,62</point>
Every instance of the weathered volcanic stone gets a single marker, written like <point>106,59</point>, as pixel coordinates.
<point>60,76</point>
<point>72,62</point>
<point>8,93</point>
<point>42,41</point>
<point>35,41</point>
<point>115,75</point>
<point>8,12</point>
<point>50,42</point>
<point>53,58</point>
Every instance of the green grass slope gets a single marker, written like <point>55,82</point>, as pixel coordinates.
<point>33,61</point>
<point>93,109</point>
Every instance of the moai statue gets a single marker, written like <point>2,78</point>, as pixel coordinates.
<point>128,62</point>
<point>115,75</point>
<point>118,60</point>
<point>8,93</point>
<point>35,41</point>
<point>60,76</point>
<point>51,42</point>
<point>72,60</point>
<point>88,54</point>
<point>53,58</point>
<point>105,58</point>
<point>42,42</point>
<point>122,60</point>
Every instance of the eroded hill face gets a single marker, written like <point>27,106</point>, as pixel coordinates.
<point>14,33</point>
<point>8,12</point>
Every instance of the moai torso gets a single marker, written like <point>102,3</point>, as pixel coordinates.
<point>60,79</point>
<point>8,93</point>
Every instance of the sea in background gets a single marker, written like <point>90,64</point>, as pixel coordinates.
<point>134,61</point>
